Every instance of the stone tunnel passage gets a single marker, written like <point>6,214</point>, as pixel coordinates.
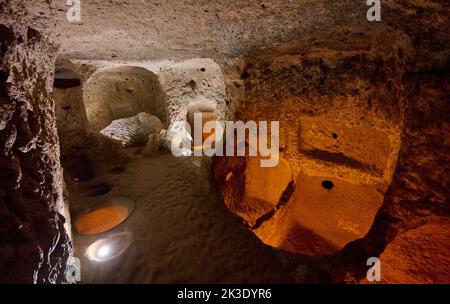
<point>71,120</point>
<point>324,193</point>
<point>343,88</point>
<point>337,160</point>
<point>122,92</point>
<point>117,243</point>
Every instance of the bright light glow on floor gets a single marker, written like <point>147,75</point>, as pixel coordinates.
<point>109,248</point>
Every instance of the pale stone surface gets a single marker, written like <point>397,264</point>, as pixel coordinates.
<point>120,92</point>
<point>113,90</point>
<point>208,110</point>
<point>134,130</point>
<point>190,82</point>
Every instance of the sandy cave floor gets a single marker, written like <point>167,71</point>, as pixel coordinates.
<point>180,234</point>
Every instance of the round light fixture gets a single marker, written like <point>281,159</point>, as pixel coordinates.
<point>109,248</point>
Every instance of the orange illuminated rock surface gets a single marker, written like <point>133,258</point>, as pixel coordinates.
<point>418,256</point>
<point>263,189</point>
<point>361,146</point>
<point>324,214</point>
<point>340,149</point>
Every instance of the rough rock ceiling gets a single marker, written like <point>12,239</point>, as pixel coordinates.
<point>150,29</point>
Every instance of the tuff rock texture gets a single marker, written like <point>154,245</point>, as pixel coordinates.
<point>34,244</point>
<point>71,119</point>
<point>348,135</point>
<point>352,105</point>
<point>363,107</point>
<point>134,130</point>
<point>416,197</point>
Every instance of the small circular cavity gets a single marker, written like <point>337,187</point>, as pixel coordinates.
<point>98,189</point>
<point>104,217</point>
<point>327,184</point>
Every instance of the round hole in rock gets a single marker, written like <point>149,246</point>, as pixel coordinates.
<point>109,248</point>
<point>334,135</point>
<point>327,184</point>
<point>98,189</point>
<point>193,84</point>
<point>105,216</point>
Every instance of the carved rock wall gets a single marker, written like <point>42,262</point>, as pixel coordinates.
<point>34,244</point>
